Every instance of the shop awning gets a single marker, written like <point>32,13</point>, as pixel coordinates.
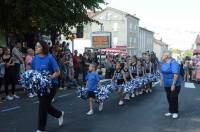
<point>114,51</point>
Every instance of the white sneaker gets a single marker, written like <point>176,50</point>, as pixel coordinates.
<point>136,93</point>
<point>16,97</point>
<point>30,95</point>
<point>9,97</point>
<point>35,94</point>
<point>39,131</point>
<point>133,95</point>
<point>60,120</point>
<point>127,97</point>
<point>121,103</point>
<point>91,112</point>
<point>168,114</point>
<point>100,106</point>
<point>53,100</point>
<point>175,115</point>
<point>150,90</point>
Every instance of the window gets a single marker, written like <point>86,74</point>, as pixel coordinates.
<point>131,27</point>
<point>115,27</point>
<point>108,16</point>
<point>135,40</point>
<point>136,27</point>
<point>101,17</point>
<point>115,16</point>
<point>115,40</point>
<point>130,41</point>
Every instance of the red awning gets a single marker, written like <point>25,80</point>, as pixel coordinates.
<point>114,50</point>
<point>196,51</point>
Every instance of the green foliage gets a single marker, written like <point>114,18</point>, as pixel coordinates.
<point>22,16</point>
<point>188,53</point>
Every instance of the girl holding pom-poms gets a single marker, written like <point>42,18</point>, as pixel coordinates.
<point>119,78</point>
<point>128,76</point>
<point>133,70</point>
<point>92,79</point>
<point>133,66</point>
<point>148,70</point>
<point>43,61</point>
<point>140,73</point>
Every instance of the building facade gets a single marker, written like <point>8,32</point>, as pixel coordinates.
<point>146,38</point>
<point>123,27</point>
<point>159,47</point>
<point>197,42</point>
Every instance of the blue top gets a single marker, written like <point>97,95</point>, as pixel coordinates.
<point>92,81</point>
<point>46,63</point>
<point>168,70</point>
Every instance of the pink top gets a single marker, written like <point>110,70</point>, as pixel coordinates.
<point>28,62</point>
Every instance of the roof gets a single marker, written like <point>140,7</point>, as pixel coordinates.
<point>160,42</point>
<point>116,10</point>
<point>146,29</point>
<point>197,41</point>
<point>91,14</point>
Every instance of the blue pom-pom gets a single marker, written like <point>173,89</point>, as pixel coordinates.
<point>39,82</point>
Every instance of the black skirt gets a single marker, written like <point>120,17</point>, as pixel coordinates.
<point>91,94</point>
<point>134,75</point>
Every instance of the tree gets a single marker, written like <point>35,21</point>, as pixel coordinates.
<point>46,16</point>
<point>188,53</point>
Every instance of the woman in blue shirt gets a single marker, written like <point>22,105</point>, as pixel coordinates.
<point>171,81</point>
<point>43,61</point>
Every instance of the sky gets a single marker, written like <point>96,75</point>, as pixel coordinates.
<point>177,22</point>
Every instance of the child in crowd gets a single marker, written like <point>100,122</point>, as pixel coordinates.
<point>67,70</point>
<point>2,70</point>
<point>133,70</point>
<point>28,62</point>
<point>140,73</point>
<point>133,66</point>
<point>119,78</point>
<point>92,79</point>
<point>186,67</point>
<point>128,76</point>
<point>148,70</point>
<point>29,58</point>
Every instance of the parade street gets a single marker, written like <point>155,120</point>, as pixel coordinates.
<point>144,113</point>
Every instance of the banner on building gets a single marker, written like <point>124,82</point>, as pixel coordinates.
<point>101,40</point>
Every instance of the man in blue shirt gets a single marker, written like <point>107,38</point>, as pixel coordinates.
<point>92,79</point>
<point>171,80</point>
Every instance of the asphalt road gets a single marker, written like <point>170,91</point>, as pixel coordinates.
<point>144,113</point>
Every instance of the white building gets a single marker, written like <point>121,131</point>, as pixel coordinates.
<point>123,26</point>
<point>145,40</point>
<point>159,47</point>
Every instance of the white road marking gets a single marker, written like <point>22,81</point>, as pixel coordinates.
<point>36,102</point>
<point>156,83</point>
<point>189,85</point>
<point>63,95</point>
<point>10,109</point>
